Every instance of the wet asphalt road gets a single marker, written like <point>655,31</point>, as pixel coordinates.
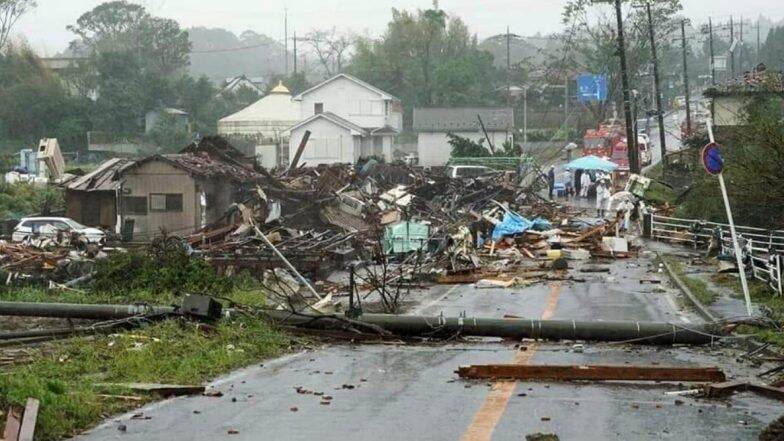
<point>406,392</point>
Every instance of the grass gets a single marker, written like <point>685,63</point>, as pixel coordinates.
<point>63,374</point>
<point>771,304</point>
<point>697,286</point>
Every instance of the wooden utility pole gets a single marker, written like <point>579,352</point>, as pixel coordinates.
<point>631,143</point>
<point>295,52</point>
<point>657,90</point>
<point>710,44</point>
<point>508,70</point>
<point>685,77</point>
<point>286,39</point>
<point>732,49</point>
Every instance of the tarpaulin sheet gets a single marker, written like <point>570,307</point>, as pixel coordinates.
<point>513,223</point>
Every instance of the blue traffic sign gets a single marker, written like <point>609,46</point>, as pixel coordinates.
<point>712,159</point>
<point>591,88</point>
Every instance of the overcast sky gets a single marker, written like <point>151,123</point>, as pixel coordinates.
<point>45,30</point>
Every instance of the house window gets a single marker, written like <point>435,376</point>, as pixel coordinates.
<point>318,108</point>
<point>166,202</point>
<point>135,204</point>
<point>386,107</point>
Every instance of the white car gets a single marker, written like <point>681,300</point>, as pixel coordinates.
<point>468,171</point>
<point>38,227</point>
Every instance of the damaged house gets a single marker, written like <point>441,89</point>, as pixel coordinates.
<point>177,193</point>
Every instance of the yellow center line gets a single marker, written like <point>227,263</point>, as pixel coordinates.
<point>485,420</point>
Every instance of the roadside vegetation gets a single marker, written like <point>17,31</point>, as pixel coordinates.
<point>697,286</point>
<point>771,305</point>
<point>67,376</point>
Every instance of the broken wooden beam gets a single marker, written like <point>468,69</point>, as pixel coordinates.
<point>590,372</point>
<point>721,390</point>
<point>20,423</point>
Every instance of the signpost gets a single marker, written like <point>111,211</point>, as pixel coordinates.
<point>591,88</point>
<point>714,165</point>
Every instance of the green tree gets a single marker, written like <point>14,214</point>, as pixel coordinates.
<point>589,44</point>
<point>36,104</point>
<point>773,51</point>
<point>169,133</point>
<point>427,59</point>
<point>10,11</point>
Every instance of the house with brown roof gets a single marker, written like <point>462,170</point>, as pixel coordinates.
<point>176,193</point>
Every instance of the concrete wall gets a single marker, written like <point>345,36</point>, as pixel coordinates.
<point>353,102</point>
<point>328,144</point>
<point>433,148</point>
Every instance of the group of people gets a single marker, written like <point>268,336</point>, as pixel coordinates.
<point>581,184</point>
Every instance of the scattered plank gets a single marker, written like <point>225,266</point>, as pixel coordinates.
<point>721,390</point>
<point>27,430</point>
<point>595,373</point>
<point>13,423</point>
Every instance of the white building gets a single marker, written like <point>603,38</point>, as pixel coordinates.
<point>267,118</point>
<point>433,124</point>
<point>348,119</point>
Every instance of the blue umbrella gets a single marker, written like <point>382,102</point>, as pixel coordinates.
<point>591,163</point>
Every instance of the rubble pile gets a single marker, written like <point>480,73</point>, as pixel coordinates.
<point>322,218</point>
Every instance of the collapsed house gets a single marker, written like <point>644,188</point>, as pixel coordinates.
<point>174,193</point>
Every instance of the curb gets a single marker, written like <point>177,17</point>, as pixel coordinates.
<point>701,309</point>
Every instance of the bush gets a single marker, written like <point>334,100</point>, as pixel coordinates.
<point>166,271</point>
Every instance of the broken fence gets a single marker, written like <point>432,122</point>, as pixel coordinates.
<point>763,247</point>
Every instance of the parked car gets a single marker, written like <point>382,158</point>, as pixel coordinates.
<point>35,227</point>
<point>468,171</point>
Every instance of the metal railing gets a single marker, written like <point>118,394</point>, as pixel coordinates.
<point>762,248</point>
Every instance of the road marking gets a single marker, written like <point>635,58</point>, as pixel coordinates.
<point>485,420</point>
<point>442,297</point>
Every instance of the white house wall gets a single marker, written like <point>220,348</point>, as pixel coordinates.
<point>433,148</point>
<point>353,102</point>
<point>328,144</point>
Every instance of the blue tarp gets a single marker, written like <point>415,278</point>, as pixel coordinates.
<point>591,162</point>
<point>513,223</point>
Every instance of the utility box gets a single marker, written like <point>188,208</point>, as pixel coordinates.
<point>201,307</point>
<point>405,236</point>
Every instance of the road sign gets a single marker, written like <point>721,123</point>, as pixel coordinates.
<point>591,88</point>
<point>712,159</point>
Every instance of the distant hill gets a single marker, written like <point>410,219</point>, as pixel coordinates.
<point>220,54</point>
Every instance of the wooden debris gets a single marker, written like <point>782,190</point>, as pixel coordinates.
<point>590,372</point>
<point>720,390</point>
<point>20,423</point>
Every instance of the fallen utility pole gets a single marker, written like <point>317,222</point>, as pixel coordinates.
<point>659,333</point>
<point>489,143</point>
<point>75,310</point>
<point>593,373</point>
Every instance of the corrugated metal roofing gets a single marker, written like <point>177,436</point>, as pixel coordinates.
<point>453,119</point>
<point>103,178</point>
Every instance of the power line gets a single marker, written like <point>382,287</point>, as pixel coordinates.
<point>235,49</point>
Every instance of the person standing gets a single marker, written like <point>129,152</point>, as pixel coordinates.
<point>578,174</point>
<point>567,181</point>
<point>585,182</point>
<point>551,180</point>
<point>602,197</point>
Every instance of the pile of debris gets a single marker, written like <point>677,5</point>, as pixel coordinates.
<point>324,217</point>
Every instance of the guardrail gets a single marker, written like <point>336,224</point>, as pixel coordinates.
<point>762,249</point>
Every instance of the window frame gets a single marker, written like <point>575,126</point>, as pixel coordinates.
<point>166,203</point>
<point>126,206</point>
